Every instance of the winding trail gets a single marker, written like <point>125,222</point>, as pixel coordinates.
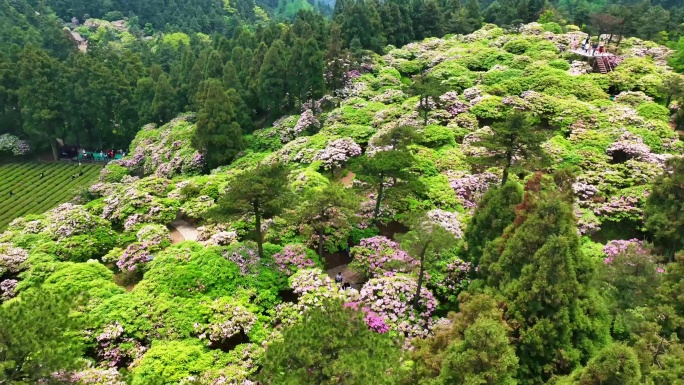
<point>188,232</point>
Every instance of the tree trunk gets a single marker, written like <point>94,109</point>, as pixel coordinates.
<point>378,200</point>
<point>257,230</point>
<point>426,108</point>
<point>668,101</point>
<point>320,245</point>
<point>416,298</point>
<point>504,177</point>
<point>55,150</point>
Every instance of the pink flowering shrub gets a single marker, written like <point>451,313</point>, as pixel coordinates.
<point>11,258</point>
<point>133,205</point>
<point>452,104</point>
<point>312,286</point>
<point>470,188</point>
<point>8,289</point>
<point>156,236</point>
<point>114,349</point>
<point>216,235</point>
<point>91,376</point>
<point>378,256</point>
<point>622,207</point>
<point>337,152</point>
<point>134,257</point>
<point>306,119</point>
<point>374,322</point>
<point>619,246</point>
<point>227,318</point>
<point>244,255</point>
<point>447,220</point>
<point>391,298</point>
<point>293,258</point>
<point>67,220</point>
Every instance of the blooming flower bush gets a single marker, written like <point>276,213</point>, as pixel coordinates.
<point>378,256</point>
<point>391,298</point>
<point>618,246</point>
<point>11,258</point>
<point>67,220</point>
<point>114,349</point>
<point>337,152</point>
<point>227,318</point>
<point>156,236</point>
<point>166,151</point>
<point>293,258</point>
<point>448,220</point>
<point>470,188</point>
<point>244,255</point>
<point>375,322</point>
<point>13,144</point>
<point>216,235</point>
<point>8,289</point>
<point>306,119</point>
<point>134,257</point>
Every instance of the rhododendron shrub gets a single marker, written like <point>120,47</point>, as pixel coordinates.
<point>447,220</point>
<point>244,255</point>
<point>313,287</point>
<point>378,256</point>
<point>227,318</point>
<point>617,247</point>
<point>391,298</point>
<point>11,258</point>
<point>13,144</point>
<point>8,288</point>
<point>135,256</point>
<point>338,152</point>
<point>470,188</point>
<point>131,206</point>
<point>156,236</point>
<point>166,151</point>
<point>294,258</point>
<point>115,350</point>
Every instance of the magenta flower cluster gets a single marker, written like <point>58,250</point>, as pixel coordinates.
<point>109,346</point>
<point>292,258</point>
<point>8,289</point>
<point>374,322</point>
<point>618,246</point>
<point>392,299</point>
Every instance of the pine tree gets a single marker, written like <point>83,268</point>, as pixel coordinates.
<point>217,134</point>
<point>484,356</point>
<point>539,268</point>
<point>164,104</point>
<point>313,71</point>
<point>513,144</point>
<point>473,18</point>
<point>40,96</point>
<point>494,212</point>
<point>272,87</point>
<point>262,192</point>
<point>664,211</point>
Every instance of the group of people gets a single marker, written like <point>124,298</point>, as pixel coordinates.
<point>588,46</point>
<point>340,281</point>
<point>110,153</point>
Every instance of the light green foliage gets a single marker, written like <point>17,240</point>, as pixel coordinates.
<point>654,111</point>
<point>38,337</point>
<point>171,361</point>
<point>176,39</point>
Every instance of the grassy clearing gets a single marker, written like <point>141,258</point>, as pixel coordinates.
<point>35,195</point>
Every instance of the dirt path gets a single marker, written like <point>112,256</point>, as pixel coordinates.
<point>348,179</point>
<point>348,275</point>
<point>176,236</point>
<point>186,231</point>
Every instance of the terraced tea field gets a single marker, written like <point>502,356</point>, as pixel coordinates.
<point>33,194</point>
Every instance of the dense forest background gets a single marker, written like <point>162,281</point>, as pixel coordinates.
<point>146,61</point>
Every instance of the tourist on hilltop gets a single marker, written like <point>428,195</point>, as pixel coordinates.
<point>11,194</point>
<point>42,174</point>
<point>338,278</point>
<point>73,177</point>
<point>80,173</point>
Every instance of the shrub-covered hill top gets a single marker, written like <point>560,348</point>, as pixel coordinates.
<point>413,131</point>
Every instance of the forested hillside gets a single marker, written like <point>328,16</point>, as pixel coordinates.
<point>354,193</point>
